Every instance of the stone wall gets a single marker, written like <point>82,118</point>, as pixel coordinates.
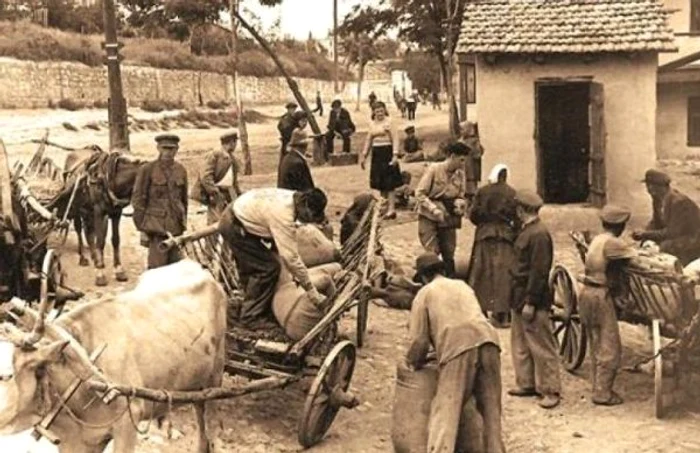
<point>28,84</point>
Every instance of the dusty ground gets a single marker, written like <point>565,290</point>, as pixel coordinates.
<point>266,422</point>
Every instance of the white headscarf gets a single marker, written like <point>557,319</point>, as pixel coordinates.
<point>498,168</point>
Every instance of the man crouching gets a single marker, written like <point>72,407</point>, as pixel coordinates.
<point>447,315</point>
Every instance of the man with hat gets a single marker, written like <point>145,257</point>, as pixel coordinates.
<point>285,126</point>
<point>294,171</point>
<point>339,123</point>
<point>412,146</point>
<point>606,255</point>
<point>159,199</point>
<point>447,316</point>
<point>675,224</point>
<point>535,357</point>
<point>260,228</point>
<point>207,190</point>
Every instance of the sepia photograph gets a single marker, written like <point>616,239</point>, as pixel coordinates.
<point>350,226</point>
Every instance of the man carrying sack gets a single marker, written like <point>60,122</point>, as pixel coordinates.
<point>207,190</point>
<point>447,316</point>
<point>260,228</point>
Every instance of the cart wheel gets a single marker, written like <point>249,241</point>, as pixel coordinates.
<point>51,276</point>
<point>328,393</point>
<point>362,316</point>
<point>659,410</point>
<point>568,330</point>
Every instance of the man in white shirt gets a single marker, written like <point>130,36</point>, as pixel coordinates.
<point>260,227</point>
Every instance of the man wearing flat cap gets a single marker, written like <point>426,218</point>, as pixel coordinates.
<point>675,224</point>
<point>339,124</point>
<point>607,255</point>
<point>160,200</point>
<point>535,357</point>
<point>294,171</point>
<point>208,189</point>
<point>286,126</point>
<point>446,316</point>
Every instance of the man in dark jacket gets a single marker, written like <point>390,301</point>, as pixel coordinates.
<point>675,224</point>
<point>285,126</point>
<point>295,173</point>
<point>160,201</point>
<point>535,358</point>
<point>206,189</point>
<point>339,122</point>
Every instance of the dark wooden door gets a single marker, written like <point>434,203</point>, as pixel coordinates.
<point>596,173</point>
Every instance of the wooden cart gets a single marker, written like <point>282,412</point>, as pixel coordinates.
<point>272,358</point>
<point>659,296</point>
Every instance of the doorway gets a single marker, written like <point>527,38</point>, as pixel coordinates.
<point>564,139</point>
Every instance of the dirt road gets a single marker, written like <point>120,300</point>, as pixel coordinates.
<point>266,422</point>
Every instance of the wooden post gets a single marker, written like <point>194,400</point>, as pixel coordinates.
<point>335,46</point>
<point>242,128</point>
<point>118,126</point>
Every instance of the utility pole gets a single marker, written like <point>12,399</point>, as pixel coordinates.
<point>335,45</point>
<point>118,126</point>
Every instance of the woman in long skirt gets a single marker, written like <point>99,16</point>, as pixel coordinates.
<point>493,213</point>
<point>382,143</point>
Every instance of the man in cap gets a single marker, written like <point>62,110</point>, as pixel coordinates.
<point>260,228</point>
<point>675,224</point>
<point>160,200</point>
<point>285,126</point>
<point>535,358</point>
<point>207,190</point>
<point>606,255</point>
<point>447,316</point>
<point>340,123</point>
<point>412,147</point>
<point>294,171</point>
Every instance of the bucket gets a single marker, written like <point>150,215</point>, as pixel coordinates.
<point>411,413</point>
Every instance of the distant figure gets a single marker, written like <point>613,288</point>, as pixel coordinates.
<point>411,105</point>
<point>436,101</point>
<point>372,100</point>
<point>412,148</point>
<point>340,124</point>
<point>285,126</point>
<point>319,104</point>
<point>469,132</point>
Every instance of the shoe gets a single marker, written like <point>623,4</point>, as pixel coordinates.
<point>520,392</point>
<point>549,401</point>
<point>614,400</point>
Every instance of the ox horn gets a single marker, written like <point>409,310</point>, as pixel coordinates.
<point>37,332</point>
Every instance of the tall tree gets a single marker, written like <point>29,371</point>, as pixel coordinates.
<point>359,33</point>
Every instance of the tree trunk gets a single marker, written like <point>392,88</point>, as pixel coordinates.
<point>242,128</point>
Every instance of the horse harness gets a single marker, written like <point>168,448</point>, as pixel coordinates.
<point>101,172</point>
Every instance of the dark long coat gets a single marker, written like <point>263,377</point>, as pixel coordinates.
<point>294,173</point>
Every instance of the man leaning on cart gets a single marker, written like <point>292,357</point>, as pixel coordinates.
<point>260,227</point>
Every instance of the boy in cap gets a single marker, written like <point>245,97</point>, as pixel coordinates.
<point>285,126</point>
<point>601,284</point>
<point>411,146</point>
<point>534,349</point>
<point>160,201</point>
<point>294,171</point>
<point>675,224</point>
<point>218,163</point>
<point>447,316</point>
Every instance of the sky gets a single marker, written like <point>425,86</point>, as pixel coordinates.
<point>299,17</point>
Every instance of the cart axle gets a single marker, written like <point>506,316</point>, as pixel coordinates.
<point>341,398</point>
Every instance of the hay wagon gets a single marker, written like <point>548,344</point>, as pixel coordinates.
<point>270,359</point>
<point>30,266</point>
<point>658,295</point>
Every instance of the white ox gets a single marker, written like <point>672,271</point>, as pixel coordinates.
<point>168,333</point>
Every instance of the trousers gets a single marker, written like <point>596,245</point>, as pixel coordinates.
<point>476,373</point>
<point>258,267</point>
<point>441,241</point>
<point>597,311</point>
<point>157,257</point>
<point>534,351</point>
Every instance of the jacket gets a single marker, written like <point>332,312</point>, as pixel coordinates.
<point>341,122</point>
<point>217,165</point>
<point>286,126</point>
<point>160,198</point>
<point>493,212</point>
<point>534,253</point>
<point>675,217</point>
<point>294,173</point>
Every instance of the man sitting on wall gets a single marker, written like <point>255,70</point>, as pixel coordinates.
<point>675,224</point>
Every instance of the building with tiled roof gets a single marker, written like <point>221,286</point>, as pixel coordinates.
<point>566,92</point>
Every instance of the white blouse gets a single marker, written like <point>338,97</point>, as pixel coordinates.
<point>381,132</point>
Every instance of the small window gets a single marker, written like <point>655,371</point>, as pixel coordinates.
<point>694,121</point>
<point>694,16</point>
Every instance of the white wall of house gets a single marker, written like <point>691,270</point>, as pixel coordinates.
<point>672,120</point>
<point>506,112</point>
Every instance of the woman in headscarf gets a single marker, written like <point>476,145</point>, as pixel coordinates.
<point>441,205</point>
<point>493,213</point>
<point>382,143</point>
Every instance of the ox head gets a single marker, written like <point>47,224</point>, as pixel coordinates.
<point>22,367</point>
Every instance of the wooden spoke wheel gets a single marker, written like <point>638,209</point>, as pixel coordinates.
<point>328,394</point>
<point>566,324</point>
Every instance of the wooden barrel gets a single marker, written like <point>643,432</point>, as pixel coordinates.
<point>411,413</point>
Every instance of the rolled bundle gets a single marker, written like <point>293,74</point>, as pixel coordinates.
<point>315,248</point>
